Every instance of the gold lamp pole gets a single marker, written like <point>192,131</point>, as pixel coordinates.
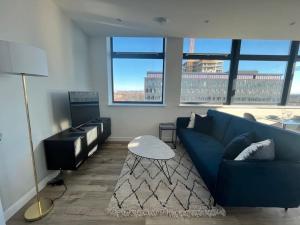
<point>26,60</point>
<point>42,206</point>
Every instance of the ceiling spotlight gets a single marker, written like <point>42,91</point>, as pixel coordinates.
<point>206,21</point>
<point>161,20</point>
<point>292,23</point>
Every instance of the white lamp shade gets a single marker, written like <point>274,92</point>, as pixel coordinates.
<point>16,58</point>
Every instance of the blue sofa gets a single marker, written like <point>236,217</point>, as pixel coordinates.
<point>245,183</point>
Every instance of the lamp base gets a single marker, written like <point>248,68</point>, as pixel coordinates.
<point>38,209</point>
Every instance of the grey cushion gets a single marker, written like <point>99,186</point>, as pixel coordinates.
<point>263,150</point>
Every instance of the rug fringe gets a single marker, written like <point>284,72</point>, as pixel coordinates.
<point>215,211</point>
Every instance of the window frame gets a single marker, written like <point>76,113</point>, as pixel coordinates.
<point>290,71</point>
<point>235,57</point>
<point>137,55</point>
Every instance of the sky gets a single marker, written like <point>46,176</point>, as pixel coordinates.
<point>129,74</point>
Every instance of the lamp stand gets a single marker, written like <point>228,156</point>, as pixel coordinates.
<point>41,207</point>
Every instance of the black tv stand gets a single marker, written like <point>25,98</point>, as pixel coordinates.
<point>68,149</point>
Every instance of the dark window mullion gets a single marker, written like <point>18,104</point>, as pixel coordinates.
<point>139,102</point>
<point>163,73</point>
<point>134,55</point>
<point>289,71</point>
<point>206,56</point>
<point>264,57</point>
<point>233,71</point>
<point>111,69</point>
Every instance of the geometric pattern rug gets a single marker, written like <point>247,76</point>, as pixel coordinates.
<point>147,191</point>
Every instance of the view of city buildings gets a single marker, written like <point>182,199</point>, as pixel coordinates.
<point>211,87</point>
<point>129,96</point>
<point>205,66</point>
<point>204,81</point>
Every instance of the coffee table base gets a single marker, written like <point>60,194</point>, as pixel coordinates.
<point>160,163</point>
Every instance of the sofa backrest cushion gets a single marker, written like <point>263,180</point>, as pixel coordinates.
<point>237,145</point>
<point>203,124</point>
<point>287,143</point>
<point>220,124</point>
<point>238,126</point>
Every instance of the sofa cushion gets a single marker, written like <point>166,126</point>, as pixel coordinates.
<point>237,145</point>
<point>220,124</point>
<point>263,150</point>
<point>203,124</point>
<point>192,120</point>
<point>238,126</point>
<point>206,153</point>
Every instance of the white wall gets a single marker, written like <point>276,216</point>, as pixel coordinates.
<point>131,121</point>
<point>40,23</point>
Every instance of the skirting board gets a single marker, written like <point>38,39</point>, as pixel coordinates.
<point>14,208</point>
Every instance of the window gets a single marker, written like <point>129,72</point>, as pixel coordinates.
<point>137,70</point>
<point>262,66</point>
<point>223,71</point>
<point>294,97</point>
<point>265,47</point>
<point>259,82</point>
<point>205,70</point>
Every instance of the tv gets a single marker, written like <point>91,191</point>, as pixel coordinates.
<point>84,107</point>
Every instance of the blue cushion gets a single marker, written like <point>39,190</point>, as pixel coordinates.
<point>237,145</point>
<point>206,153</point>
<point>203,124</point>
<point>220,124</point>
<point>237,126</point>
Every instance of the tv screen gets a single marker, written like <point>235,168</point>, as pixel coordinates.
<point>84,107</point>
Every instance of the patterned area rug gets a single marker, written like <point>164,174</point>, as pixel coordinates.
<point>147,191</point>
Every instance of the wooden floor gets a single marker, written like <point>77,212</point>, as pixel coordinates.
<point>91,187</point>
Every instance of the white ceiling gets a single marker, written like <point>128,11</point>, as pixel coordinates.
<point>266,19</point>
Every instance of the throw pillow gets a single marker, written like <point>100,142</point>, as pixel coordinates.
<point>237,145</point>
<point>192,121</point>
<point>203,124</point>
<point>263,150</point>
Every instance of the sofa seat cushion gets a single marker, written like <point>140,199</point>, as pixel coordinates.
<point>206,153</point>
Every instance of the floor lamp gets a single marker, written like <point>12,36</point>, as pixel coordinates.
<point>24,60</point>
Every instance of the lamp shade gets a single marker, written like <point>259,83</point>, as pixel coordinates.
<point>16,58</point>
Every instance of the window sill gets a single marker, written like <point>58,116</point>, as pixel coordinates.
<point>137,105</point>
<point>240,106</point>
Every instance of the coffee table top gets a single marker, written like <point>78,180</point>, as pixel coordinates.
<point>150,147</point>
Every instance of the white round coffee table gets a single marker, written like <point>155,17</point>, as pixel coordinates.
<point>151,148</point>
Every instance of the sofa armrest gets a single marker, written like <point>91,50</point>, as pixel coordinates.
<point>258,184</point>
<point>182,122</point>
